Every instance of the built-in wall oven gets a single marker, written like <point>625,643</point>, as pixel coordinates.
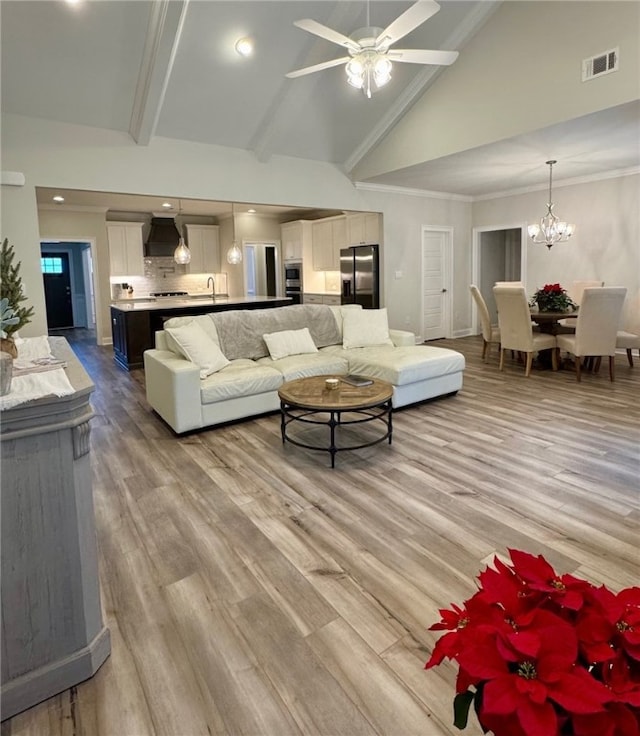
<point>293,281</point>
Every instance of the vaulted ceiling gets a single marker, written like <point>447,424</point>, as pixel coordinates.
<point>170,69</point>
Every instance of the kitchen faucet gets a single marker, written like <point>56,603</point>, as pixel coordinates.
<point>213,286</point>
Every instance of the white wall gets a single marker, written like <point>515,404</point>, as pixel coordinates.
<point>606,244</point>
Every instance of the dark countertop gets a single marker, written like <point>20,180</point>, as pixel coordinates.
<point>199,304</point>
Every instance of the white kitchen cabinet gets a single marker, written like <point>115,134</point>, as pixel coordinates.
<point>125,249</point>
<point>204,244</point>
<point>363,228</point>
<point>333,299</point>
<point>328,237</point>
<point>292,236</point>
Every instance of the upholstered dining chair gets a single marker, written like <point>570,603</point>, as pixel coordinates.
<point>490,333</point>
<point>596,326</point>
<point>578,287</point>
<point>516,329</point>
<point>628,341</point>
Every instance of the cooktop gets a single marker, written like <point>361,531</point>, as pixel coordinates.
<point>168,293</point>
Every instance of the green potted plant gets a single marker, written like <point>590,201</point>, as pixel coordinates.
<point>11,291</point>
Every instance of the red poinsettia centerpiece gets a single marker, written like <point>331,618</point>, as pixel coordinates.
<point>552,298</point>
<point>542,654</point>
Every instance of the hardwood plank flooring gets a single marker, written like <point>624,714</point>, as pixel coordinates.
<point>252,590</point>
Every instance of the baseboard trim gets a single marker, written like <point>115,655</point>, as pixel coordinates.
<point>33,687</point>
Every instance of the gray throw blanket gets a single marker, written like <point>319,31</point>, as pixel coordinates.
<point>240,331</point>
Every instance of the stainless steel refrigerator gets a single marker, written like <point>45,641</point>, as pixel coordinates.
<point>360,276</point>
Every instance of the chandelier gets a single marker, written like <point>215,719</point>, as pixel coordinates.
<point>551,229</point>
<point>182,254</point>
<point>234,254</point>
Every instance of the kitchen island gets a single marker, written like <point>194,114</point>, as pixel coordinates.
<point>134,324</point>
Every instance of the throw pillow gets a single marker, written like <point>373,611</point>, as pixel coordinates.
<point>289,342</point>
<point>362,328</point>
<point>193,342</point>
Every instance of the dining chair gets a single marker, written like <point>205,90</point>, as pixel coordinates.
<point>596,326</point>
<point>628,341</point>
<point>516,329</point>
<point>490,333</point>
<point>578,287</point>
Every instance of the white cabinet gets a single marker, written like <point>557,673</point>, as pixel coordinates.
<point>328,237</point>
<point>204,244</point>
<point>292,236</point>
<point>125,249</point>
<point>333,299</point>
<point>363,228</point>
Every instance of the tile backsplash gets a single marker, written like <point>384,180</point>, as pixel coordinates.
<point>164,274</point>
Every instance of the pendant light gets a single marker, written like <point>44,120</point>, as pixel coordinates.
<point>182,254</point>
<point>551,229</point>
<point>234,254</point>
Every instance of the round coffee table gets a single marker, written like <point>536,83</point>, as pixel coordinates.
<point>307,399</point>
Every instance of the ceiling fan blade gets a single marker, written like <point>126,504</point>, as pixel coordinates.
<point>317,67</point>
<point>422,56</point>
<point>405,23</point>
<point>312,26</point>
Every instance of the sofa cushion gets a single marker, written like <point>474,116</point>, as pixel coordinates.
<point>339,311</point>
<point>311,364</point>
<point>401,365</point>
<point>240,378</point>
<point>365,328</point>
<point>289,342</point>
<point>204,320</point>
<point>193,342</point>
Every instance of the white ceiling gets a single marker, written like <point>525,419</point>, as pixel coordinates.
<point>169,69</point>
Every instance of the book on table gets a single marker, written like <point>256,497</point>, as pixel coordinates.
<point>355,380</point>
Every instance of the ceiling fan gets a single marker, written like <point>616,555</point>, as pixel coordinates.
<point>370,56</point>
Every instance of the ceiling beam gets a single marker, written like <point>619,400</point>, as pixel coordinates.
<point>166,20</point>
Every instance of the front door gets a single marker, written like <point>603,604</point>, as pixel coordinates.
<point>57,290</point>
<point>435,291</point>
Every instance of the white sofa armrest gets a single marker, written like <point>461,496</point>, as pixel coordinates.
<point>173,389</point>
<point>402,337</point>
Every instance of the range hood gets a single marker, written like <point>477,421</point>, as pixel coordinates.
<point>163,237</point>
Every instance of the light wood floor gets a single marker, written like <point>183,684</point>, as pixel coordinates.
<point>250,589</point>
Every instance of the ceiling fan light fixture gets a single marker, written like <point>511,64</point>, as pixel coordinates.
<point>382,70</point>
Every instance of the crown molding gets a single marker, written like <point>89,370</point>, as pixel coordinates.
<point>411,191</point>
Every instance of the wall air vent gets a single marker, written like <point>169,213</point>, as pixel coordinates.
<point>604,63</point>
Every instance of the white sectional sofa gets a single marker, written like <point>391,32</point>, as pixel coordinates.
<point>235,375</point>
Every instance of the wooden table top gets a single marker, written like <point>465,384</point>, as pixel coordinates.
<point>312,393</point>
<point>552,316</point>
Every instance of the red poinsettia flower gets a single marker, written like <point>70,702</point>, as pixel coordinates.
<point>545,654</point>
<point>566,590</point>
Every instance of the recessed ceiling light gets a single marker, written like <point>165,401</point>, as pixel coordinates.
<point>244,46</point>
<point>73,2</point>
<point>58,198</point>
<point>167,205</point>
<point>251,211</point>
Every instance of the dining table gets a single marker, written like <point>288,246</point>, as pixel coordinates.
<point>549,323</point>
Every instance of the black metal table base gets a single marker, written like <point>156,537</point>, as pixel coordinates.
<point>289,413</point>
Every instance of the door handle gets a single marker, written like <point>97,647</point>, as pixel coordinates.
<point>444,291</point>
